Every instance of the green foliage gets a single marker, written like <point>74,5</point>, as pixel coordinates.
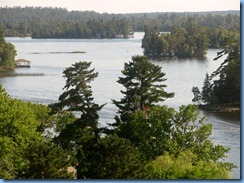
<point>78,135</point>
<point>185,166</point>
<point>62,119</point>
<point>7,54</point>
<point>154,43</point>
<point>189,41</point>
<point>112,158</point>
<point>150,130</point>
<point>225,89</point>
<point>25,149</point>
<point>197,95</point>
<point>48,161</point>
<point>42,114</point>
<point>60,23</point>
<point>206,90</point>
<point>162,129</point>
<point>78,94</point>
<point>17,129</point>
<point>143,81</point>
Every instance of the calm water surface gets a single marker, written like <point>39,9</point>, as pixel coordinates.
<point>43,82</point>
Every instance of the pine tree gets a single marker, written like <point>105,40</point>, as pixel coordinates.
<point>80,136</point>
<point>197,95</point>
<point>143,82</point>
<point>77,96</point>
<point>206,90</point>
<point>227,87</point>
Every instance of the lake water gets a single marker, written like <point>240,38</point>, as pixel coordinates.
<point>43,82</point>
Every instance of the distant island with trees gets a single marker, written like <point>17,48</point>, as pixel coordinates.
<point>190,40</point>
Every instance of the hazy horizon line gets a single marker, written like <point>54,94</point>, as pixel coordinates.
<point>65,8</point>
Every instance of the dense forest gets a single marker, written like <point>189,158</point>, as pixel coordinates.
<point>61,23</point>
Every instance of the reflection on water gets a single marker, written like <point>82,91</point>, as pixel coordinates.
<point>15,74</point>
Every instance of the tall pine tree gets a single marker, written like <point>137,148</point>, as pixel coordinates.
<point>144,88</point>
<point>77,96</point>
<point>80,136</point>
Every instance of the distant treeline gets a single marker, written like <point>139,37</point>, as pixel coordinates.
<point>61,23</point>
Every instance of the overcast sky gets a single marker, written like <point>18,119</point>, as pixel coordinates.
<point>130,6</point>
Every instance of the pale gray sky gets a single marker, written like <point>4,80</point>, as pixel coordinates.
<point>130,6</point>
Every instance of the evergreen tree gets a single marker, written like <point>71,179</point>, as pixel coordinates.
<point>144,87</point>
<point>151,42</point>
<point>227,87</point>
<point>77,96</point>
<point>197,95</point>
<point>206,90</point>
<point>81,136</point>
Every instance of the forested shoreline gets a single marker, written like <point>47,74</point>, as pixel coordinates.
<point>60,23</point>
<point>182,35</point>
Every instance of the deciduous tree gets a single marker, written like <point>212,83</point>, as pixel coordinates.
<point>7,54</point>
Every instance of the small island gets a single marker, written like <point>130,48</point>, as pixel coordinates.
<point>188,41</point>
